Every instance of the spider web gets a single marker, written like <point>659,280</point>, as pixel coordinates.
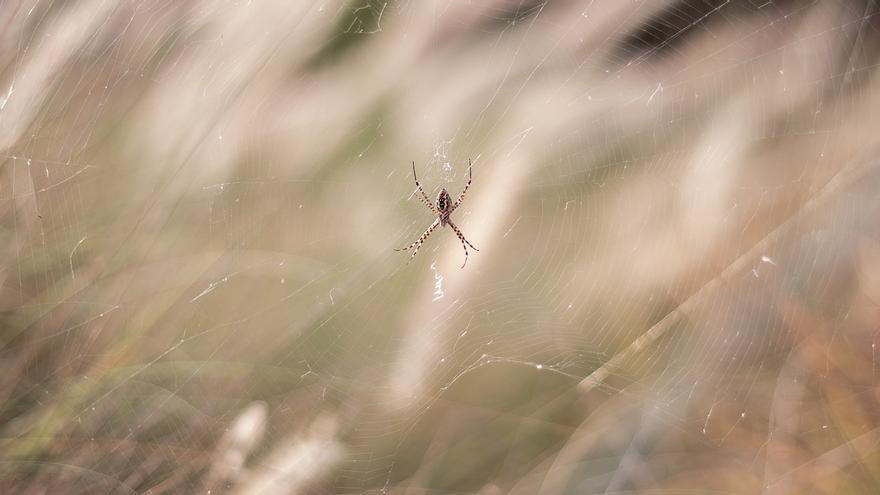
<point>675,204</point>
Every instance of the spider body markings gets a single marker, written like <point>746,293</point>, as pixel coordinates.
<point>442,208</point>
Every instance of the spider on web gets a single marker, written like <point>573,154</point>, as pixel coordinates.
<point>443,209</point>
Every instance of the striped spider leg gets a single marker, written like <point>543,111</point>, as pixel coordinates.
<point>463,191</point>
<point>443,208</point>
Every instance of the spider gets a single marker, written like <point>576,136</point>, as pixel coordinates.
<point>443,209</point>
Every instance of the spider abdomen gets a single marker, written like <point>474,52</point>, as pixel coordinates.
<point>442,201</point>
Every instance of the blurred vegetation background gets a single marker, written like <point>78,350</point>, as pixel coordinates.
<point>675,203</point>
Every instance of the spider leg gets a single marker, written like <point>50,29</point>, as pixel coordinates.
<point>463,241</point>
<point>418,242</point>
<point>464,191</point>
<point>424,197</point>
<point>460,235</point>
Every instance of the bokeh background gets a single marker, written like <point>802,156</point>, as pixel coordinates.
<point>675,201</point>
